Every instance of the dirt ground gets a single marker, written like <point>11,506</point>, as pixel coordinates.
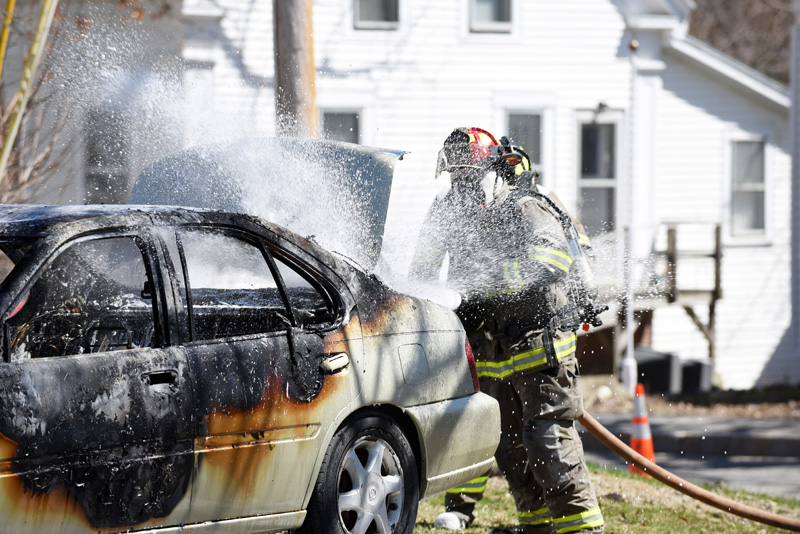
<point>604,394</point>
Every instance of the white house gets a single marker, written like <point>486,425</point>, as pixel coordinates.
<point>639,127</point>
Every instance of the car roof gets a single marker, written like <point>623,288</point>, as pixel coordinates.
<point>37,220</point>
<point>31,220</point>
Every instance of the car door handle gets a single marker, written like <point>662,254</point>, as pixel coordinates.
<point>167,376</point>
<point>335,363</point>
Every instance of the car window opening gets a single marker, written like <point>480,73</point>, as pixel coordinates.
<point>94,296</point>
<point>310,300</point>
<point>228,287</point>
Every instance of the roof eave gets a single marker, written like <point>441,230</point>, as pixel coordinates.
<point>769,90</point>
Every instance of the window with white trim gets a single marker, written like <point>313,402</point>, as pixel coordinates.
<point>525,129</point>
<point>490,16</point>
<point>107,152</point>
<point>748,193</point>
<point>376,14</point>
<point>597,182</point>
<point>341,125</point>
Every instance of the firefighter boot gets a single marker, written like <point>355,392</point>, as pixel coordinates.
<point>451,521</point>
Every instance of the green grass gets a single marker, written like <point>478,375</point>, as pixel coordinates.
<point>630,504</point>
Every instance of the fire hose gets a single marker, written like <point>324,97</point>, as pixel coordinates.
<point>662,475</point>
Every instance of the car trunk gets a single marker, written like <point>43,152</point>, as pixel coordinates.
<point>336,192</point>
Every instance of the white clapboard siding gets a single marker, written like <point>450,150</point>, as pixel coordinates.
<point>413,85</point>
<point>699,115</point>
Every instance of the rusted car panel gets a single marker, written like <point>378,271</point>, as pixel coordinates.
<point>73,454</point>
<point>267,469</point>
<point>143,387</point>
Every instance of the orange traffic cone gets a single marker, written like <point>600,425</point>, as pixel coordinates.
<point>641,438</point>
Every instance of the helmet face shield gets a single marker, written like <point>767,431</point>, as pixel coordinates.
<point>511,160</point>
<point>441,163</point>
<point>468,148</point>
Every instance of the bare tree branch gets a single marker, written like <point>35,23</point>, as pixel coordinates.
<point>756,33</point>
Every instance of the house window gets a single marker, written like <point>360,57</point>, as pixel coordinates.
<point>341,125</point>
<point>376,14</point>
<point>747,190</point>
<point>525,129</point>
<point>107,158</point>
<point>490,15</point>
<point>598,177</point>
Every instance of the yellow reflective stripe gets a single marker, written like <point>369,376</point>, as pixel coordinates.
<point>501,371</point>
<point>526,360</point>
<point>538,517</point>
<point>428,256</point>
<point>553,257</point>
<point>555,252</point>
<point>428,253</point>
<point>583,239</point>
<point>476,485</point>
<point>565,347</point>
<point>513,275</point>
<point>425,261</point>
<point>552,261</point>
<point>584,520</point>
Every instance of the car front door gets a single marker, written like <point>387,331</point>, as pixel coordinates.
<point>260,395</point>
<point>95,429</point>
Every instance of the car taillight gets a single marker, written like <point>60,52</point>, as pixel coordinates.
<point>472,368</point>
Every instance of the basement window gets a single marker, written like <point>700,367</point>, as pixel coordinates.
<point>747,190</point>
<point>491,16</point>
<point>341,126</point>
<point>376,14</point>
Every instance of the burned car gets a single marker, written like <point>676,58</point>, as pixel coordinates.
<point>171,368</point>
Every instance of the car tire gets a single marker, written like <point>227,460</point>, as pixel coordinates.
<point>368,481</point>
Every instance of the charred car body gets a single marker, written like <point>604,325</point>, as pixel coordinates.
<point>187,369</point>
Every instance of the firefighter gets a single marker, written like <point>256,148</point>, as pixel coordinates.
<point>525,293</point>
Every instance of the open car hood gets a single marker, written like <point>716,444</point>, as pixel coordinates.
<point>335,192</point>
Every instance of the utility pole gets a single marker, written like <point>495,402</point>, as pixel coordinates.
<point>295,74</point>
<point>795,125</point>
<point>629,370</point>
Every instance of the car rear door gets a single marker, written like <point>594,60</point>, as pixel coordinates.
<point>95,428</point>
<point>261,400</point>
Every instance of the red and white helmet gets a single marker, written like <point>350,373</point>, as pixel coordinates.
<point>472,148</point>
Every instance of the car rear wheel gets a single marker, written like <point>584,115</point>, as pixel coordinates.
<point>368,481</point>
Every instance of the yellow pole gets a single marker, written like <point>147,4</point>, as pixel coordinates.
<point>24,92</point>
<point>6,30</point>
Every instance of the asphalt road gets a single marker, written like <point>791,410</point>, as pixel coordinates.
<point>770,475</point>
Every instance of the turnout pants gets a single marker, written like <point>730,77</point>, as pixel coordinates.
<point>540,453</point>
